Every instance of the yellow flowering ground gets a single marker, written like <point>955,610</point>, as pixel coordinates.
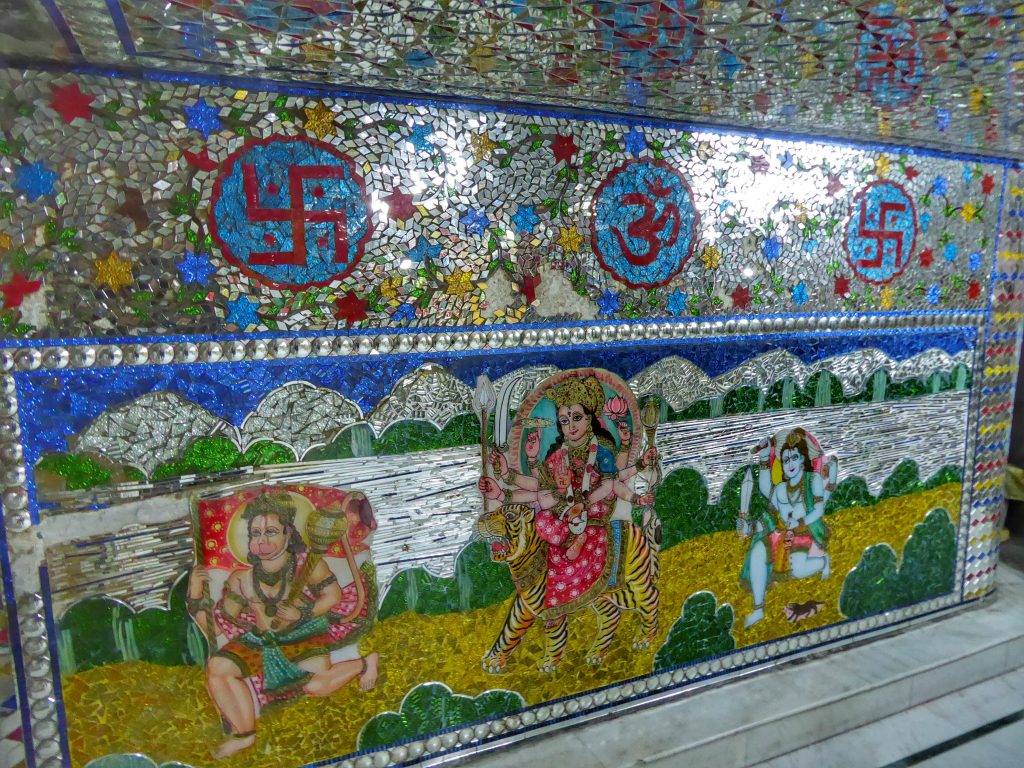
<point>165,711</point>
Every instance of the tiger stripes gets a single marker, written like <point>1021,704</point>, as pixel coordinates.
<point>526,557</point>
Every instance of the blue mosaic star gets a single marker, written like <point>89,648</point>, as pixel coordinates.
<point>203,118</point>
<point>526,218</point>
<point>423,250</point>
<point>950,252</point>
<point>772,248</point>
<point>940,186</point>
<point>968,174</point>
<point>195,268</point>
<point>608,303</point>
<point>475,221</point>
<point>676,303</point>
<point>809,246</point>
<point>786,160</point>
<point>799,293</point>
<point>635,141</point>
<point>926,219</point>
<point>729,64</point>
<point>34,180</point>
<point>405,312</point>
<point>942,119</point>
<point>934,293</point>
<point>243,312</point>
<point>974,261</point>
<point>420,137</point>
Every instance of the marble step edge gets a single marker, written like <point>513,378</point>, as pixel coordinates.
<point>763,738</point>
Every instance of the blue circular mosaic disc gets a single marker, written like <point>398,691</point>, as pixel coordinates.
<point>291,211</point>
<point>643,223</point>
<point>881,231</point>
<point>889,60</point>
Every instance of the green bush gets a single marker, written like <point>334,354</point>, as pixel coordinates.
<point>904,479</point>
<point>702,630</point>
<point>100,630</point>
<point>477,583</point>
<point>217,454</point>
<point>432,707</point>
<point>927,570</point>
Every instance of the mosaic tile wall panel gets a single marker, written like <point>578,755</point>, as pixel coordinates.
<point>435,424</point>
<point>176,208</point>
<point>927,71</point>
<point>609,532</point>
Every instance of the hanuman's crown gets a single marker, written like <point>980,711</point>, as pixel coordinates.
<point>278,503</point>
<point>585,390</point>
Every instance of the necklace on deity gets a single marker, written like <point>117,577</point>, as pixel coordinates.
<point>262,578</point>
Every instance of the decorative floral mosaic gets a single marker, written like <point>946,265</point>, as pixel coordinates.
<point>917,69</point>
<point>131,210</point>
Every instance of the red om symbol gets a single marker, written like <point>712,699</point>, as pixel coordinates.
<point>646,228</point>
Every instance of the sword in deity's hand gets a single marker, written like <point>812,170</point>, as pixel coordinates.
<point>743,524</point>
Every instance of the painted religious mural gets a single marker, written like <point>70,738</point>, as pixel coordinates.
<point>463,544</point>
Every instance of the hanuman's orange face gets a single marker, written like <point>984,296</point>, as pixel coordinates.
<point>268,537</point>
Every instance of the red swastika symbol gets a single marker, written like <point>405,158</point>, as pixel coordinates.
<point>881,235</point>
<point>893,59</point>
<point>297,214</point>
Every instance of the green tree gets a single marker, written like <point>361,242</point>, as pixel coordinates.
<point>873,586</point>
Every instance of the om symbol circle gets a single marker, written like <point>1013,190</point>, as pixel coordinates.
<point>643,223</point>
<point>889,60</point>
<point>880,232</point>
<point>650,40</point>
<point>291,212</point>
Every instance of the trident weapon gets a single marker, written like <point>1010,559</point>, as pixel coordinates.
<point>649,420</point>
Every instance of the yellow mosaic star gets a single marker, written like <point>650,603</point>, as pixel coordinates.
<point>888,297</point>
<point>458,283</point>
<point>389,288</point>
<point>882,165</point>
<point>711,257</point>
<point>482,145</point>
<point>320,120</point>
<point>5,241</point>
<point>969,211</point>
<point>570,239</point>
<point>114,272</point>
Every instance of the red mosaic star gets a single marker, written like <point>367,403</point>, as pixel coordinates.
<point>350,308</point>
<point>834,185</point>
<point>17,289</point>
<point>842,286</point>
<point>70,102</point>
<point>974,290</point>
<point>987,185</point>
<point>911,172</point>
<point>926,256</point>
<point>200,160</point>
<point>400,205</point>
<point>528,287</point>
<point>741,297</point>
<point>564,147</point>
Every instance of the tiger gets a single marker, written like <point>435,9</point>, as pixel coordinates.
<point>513,540</point>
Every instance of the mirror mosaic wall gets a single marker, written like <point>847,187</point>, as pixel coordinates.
<point>384,382</point>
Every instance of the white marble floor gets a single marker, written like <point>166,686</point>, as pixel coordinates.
<point>913,737</point>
